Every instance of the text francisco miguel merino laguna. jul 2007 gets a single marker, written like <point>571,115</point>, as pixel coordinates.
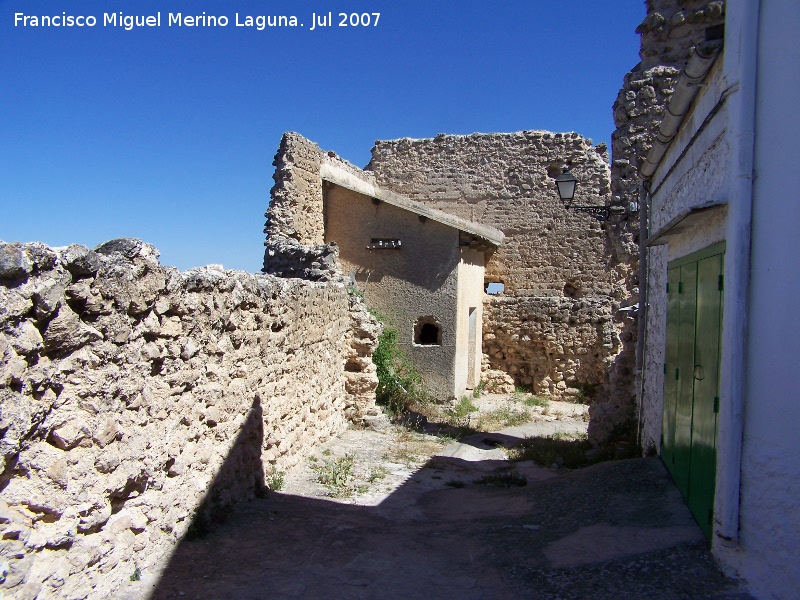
<point>259,22</point>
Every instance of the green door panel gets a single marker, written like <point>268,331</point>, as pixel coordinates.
<point>706,389</point>
<point>687,293</point>
<point>691,378</point>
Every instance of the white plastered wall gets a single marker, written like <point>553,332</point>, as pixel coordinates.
<point>768,551</point>
<point>693,173</point>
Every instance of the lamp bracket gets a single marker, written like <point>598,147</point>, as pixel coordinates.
<point>601,213</point>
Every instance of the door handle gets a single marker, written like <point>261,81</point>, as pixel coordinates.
<point>699,373</point>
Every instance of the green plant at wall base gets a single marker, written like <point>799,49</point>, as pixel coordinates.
<point>137,574</point>
<point>463,408</point>
<point>399,383</point>
<point>337,476</point>
<point>536,401</point>
<point>354,291</point>
<point>476,393</point>
<point>275,481</point>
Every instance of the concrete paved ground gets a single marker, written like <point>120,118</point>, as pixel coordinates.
<point>614,530</point>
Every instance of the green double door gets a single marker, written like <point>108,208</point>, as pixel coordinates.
<point>691,378</point>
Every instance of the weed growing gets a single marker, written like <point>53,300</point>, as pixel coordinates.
<point>520,393</point>
<point>377,474</point>
<point>275,481</point>
<point>476,393</point>
<point>353,290</point>
<point>462,409</point>
<point>446,437</point>
<point>409,447</point>
<point>399,383</point>
<point>504,416</point>
<point>336,475</point>
<point>523,396</point>
<point>536,401</point>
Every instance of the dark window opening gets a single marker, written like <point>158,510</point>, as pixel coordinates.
<point>428,332</point>
<point>429,335</point>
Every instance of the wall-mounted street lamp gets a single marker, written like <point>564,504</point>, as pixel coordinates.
<point>566,184</point>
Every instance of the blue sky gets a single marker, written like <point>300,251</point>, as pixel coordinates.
<point>168,133</point>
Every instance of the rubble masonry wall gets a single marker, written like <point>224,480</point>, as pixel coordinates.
<point>136,400</point>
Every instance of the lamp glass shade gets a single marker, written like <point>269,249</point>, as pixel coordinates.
<point>565,183</point>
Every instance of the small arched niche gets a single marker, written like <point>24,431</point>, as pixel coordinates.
<point>428,332</point>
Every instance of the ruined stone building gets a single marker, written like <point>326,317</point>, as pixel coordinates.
<point>419,262</point>
<point>555,329</point>
<point>422,268</point>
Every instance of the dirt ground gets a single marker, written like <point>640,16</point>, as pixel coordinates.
<point>415,514</point>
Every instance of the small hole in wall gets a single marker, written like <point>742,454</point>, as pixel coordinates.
<point>571,290</point>
<point>494,287</point>
<point>157,366</point>
<point>554,170</point>
<point>428,332</point>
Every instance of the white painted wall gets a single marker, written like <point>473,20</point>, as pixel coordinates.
<point>695,172</point>
<point>769,554</point>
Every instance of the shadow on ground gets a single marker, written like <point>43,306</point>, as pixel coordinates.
<point>614,530</point>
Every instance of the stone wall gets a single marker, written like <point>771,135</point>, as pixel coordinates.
<point>137,401</point>
<point>296,205</point>
<point>668,31</point>
<point>295,209</point>
<point>556,329</point>
<point>506,180</point>
<point>552,344</point>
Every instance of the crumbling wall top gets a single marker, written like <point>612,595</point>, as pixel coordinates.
<point>506,181</point>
